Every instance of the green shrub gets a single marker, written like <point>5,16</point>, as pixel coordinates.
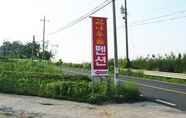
<point>130,72</point>
<point>77,88</point>
<point>127,92</point>
<point>97,99</point>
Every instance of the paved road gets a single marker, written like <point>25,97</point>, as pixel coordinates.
<point>165,85</point>
<point>171,94</point>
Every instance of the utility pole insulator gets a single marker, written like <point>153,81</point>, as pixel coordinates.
<point>124,17</point>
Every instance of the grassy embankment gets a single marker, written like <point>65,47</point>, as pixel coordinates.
<point>163,63</point>
<point>129,72</point>
<point>167,63</point>
<point>36,78</point>
<point>140,75</point>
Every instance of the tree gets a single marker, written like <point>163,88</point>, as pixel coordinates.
<point>18,50</point>
<point>31,50</point>
<point>46,56</point>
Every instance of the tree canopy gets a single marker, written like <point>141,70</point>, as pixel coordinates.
<point>17,49</point>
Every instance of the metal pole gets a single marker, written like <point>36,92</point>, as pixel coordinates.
<point>116,69</point>
<point>126,31</point>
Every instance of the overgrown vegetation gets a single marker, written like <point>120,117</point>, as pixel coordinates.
<point>77,88</point>
<point>167,63</point>
<point>22,65</point>
<point>72,65</point>
<point>28,77</point>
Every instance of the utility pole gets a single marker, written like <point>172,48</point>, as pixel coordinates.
<point>125,17</point>
<point>33,47</point>
<point>44,21</point>
<point>116,69</point>
<point>4,49</point>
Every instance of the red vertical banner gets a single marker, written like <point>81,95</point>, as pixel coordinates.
<point>99,47</point>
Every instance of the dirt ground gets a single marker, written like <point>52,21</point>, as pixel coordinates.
<point>15,106</point>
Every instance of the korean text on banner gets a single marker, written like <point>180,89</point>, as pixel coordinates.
<point>99,47</point>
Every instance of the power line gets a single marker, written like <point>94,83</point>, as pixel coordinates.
<point>158,21</point>
<point>155,21</point>
<point>104,4</point>
<point>83,17</point>
<point>159,17</point>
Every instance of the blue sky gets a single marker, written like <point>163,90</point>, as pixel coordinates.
<point>20,19</point>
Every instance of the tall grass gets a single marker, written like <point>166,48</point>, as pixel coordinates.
<point>69,88</point>
<point>28,77</point>
<point>36,66</point>
<point>167,63</point>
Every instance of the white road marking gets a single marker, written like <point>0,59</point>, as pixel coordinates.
<point>165,102</point>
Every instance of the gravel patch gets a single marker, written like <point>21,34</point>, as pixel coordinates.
<point>16,106</point>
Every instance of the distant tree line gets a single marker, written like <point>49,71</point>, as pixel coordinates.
<point>167,63</point>
<point>17,49</point>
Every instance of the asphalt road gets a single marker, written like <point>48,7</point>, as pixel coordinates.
<point>165,85</point>
<point>170,94</point>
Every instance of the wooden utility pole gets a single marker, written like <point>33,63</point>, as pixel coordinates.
<point>33,47</point>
